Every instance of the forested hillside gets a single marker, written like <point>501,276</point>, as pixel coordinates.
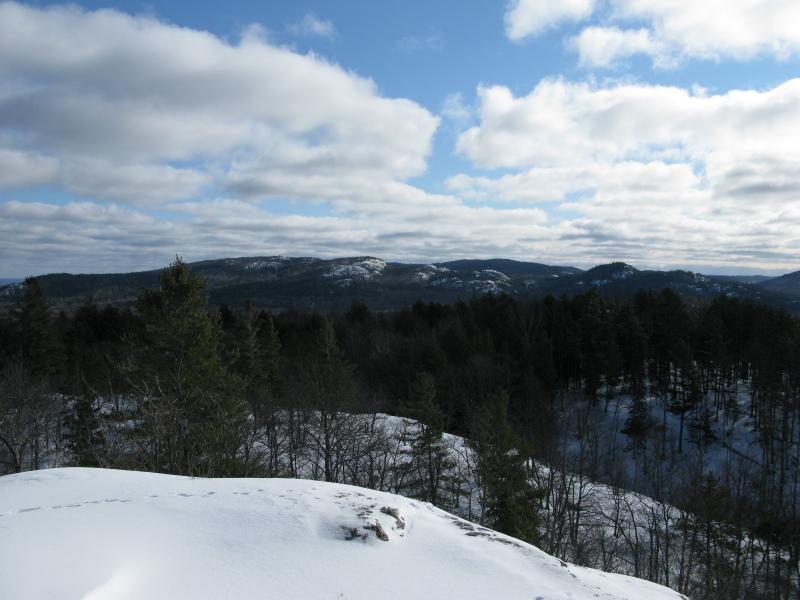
<point>278,283</point>
<point>693,404</point>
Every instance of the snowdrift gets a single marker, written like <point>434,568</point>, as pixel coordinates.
<point>92,534</point>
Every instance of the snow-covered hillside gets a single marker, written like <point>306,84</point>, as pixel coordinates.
<point>115,535</point>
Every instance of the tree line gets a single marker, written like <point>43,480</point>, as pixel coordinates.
<point>172,385</point>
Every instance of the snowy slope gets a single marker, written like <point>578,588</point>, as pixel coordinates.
<point>114,535</point>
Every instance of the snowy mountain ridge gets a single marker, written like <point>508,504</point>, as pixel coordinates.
<point>117,535</point>
<point>280,282</point>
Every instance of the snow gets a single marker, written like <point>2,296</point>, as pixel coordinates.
<point>261,265</point>
<point>11,289</point>
<point>733,433</point>
<point>491,274</point>
<point>482,282</point>
<point>116,535</point>
<point>365,270</point>
<point>624,273</point>
<point>428,271</point>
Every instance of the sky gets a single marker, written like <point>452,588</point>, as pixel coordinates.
<point>662,133</point>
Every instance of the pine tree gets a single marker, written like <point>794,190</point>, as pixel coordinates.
<point>638,422</point>
<point>268,356</point>
<point>194,409</point>
<point>429,463</point>
<point>40,346</point>
<point>325,387</point>
<point>84,438</point>
<point>510,501</point>
<point>259,360</point>
<point>594,342</point>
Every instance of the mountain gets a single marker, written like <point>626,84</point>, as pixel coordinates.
<point>103,534</point>
<point>278,283</point>
<point>785,284</point>
<point>620,279</point>
<point>756,279</point>
<point>512,268</point>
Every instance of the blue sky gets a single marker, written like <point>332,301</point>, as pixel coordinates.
<point>665,133</point>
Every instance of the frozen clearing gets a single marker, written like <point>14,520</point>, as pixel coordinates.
<point>91,534</point>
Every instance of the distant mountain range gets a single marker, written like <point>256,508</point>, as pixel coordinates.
<point>279,282</point>
<point>785,284</point>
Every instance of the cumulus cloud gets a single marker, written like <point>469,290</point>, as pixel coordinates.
<point>649,170</point>
<point>136,114</point>
<point>182,143</point>
<point>133,109</point>
<point>561,122</point>
<point>604,46</point>
<point>526,18</point>
<point>677,30</point>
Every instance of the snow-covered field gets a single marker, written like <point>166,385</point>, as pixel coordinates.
<point>94,534</point>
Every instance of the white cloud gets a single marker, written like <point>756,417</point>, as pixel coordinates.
<point>677,30</point>
<point>647,172</point>
<point>526,18</point>
<point>142,184</point>
<point>405,224</point>
<point>456,110</point>
<point>603,46</point>
<point>312,25</point>
<point>557,183</point>
<point>19,169</point>
<point>142,114</point>
<point>562,123</point>
<point>136,114</point>
<point>132,109</point>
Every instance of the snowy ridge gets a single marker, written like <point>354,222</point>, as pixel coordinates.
<point>486,281</point>
<point>429,271</point>
<point>103,535</point>
<point>259,265</point>
<point>362,270</point>
<point>12,289</point>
